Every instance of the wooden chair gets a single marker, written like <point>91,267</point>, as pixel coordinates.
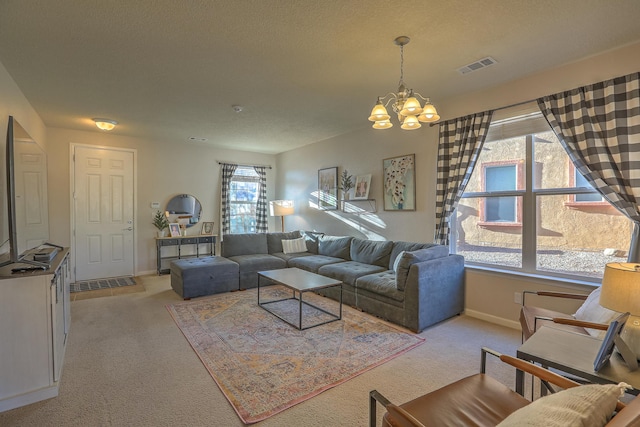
<point>479,400</point>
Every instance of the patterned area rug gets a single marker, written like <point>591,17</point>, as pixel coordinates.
<point>92,285</point>
<point>264,366</point>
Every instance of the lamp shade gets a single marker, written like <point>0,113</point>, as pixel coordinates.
<point>410,123</point>
<point>379,113</point>
<point>621,287</point>
<point>411,107</point>
<point>281,207</point>
<point>384,124</point>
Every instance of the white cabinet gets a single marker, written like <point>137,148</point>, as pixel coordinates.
<point>34,324</point>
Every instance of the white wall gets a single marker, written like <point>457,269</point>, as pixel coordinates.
<point>163,170</point>
<point>488,295</point>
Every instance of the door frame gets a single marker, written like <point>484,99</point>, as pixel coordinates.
<point>72,201</point>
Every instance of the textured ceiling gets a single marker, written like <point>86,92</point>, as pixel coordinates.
<point>303,71</point>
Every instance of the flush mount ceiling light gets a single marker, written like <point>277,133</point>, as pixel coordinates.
<point>404,103</point>
<point>105,124</point>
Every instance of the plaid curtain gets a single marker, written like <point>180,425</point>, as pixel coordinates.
<point>225,212</point>
<point>599,127</point>
<point>261,207</point>
<point>460,143</point>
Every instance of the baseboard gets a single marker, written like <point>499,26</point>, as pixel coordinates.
<point>492,319</point>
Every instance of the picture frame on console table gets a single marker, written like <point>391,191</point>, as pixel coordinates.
<point>174,229</point>
<point>207,229</point>
<point>399,174</point>
<point>328,188</point>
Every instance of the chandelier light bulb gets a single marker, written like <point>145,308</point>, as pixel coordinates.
<point>384,124</point>
<point>379,113</point>
<point>411,123</point>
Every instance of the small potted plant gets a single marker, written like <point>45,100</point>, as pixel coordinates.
<point>161,223</point>
<point>346,184</point>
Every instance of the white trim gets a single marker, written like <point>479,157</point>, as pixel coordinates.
<point>72,198</point>
<point>492,319</point>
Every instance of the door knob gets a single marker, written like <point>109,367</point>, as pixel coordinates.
<point>128,229</point>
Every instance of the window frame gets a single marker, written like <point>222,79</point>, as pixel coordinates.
<point>238,177</point>
<point>530,217</point>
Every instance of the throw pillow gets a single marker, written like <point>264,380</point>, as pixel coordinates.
<point>587,405</point>
<point>293,246</point>
<point>592,311</point>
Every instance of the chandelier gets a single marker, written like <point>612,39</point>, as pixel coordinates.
<point>404,103</point>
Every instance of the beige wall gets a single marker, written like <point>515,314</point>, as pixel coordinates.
<point>489,295</point>
<point>163,170</point>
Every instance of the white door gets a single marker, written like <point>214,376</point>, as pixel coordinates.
<point>103,213</point>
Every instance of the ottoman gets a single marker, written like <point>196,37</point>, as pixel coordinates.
<point>194,277</point>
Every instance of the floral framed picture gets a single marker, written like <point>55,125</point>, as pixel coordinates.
<point>174,228</point>
<point>207,228</point>
<point>399,183</point>
<point>361,191</point>
<point>328,188</point>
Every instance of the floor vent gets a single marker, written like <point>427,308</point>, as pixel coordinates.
<point>479,64</point>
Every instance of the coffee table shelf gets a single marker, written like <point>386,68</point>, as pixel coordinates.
<point>299,281</point>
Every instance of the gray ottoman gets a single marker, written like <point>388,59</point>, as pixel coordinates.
<point>194,277</point>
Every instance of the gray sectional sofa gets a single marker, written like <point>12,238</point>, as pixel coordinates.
<point>412,284</point>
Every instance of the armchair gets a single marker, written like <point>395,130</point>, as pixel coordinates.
<point>483,401</point>
<point>590,316</point>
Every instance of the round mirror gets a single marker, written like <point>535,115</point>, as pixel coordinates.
<point>184,209</point>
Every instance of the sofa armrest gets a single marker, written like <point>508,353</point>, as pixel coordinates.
<point>434,291</point>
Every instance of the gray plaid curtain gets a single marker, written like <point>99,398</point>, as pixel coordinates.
<point>599,127</point>
<point>225,210</point>
<point>460,144</point>
<point>261,207</point>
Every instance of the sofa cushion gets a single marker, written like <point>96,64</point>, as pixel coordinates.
<point>274,240</point>
<point>405,246</point>
<point>313,263</point>
<point>371,252</point>
<point>287,257</point>
<point>312,239</point>
<point>348,271</point>
<point>294,246</point>
<point>383,283</point>
<point>337,247</point>
<point>411,257</point>
<point>244,244</point>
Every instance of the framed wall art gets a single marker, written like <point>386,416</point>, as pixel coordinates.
<point>399,183</point>
<point>328,188</point>
<point>363,182</point>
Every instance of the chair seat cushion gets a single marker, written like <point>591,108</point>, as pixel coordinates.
<point>476,400</point>
<point>348,271</point>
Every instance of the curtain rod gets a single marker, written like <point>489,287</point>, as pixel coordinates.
<point>220,162</point>
<point>494,110</point>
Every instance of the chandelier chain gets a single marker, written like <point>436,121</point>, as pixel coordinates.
<point>401,65</point>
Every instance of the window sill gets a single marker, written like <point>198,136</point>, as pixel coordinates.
<point>488,224</point>
<point>563,282</point>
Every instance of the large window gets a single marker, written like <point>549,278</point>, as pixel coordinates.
<point>243,199</point>
<point>526,208</point>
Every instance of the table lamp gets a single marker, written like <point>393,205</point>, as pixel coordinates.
<point>281,208</point>
<point>620,292</point>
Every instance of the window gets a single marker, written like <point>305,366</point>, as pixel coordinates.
<point>526,208</point>
<point>243,197</point>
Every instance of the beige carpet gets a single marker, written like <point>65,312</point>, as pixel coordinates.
<point>264,366</point>
<point>128,365</point>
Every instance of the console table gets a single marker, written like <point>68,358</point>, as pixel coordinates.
<point>573,353</point>
<point>180,243</point>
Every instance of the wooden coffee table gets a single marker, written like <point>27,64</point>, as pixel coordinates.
<point>299,281</point>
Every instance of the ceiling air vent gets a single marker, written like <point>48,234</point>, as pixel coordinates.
<point>481,63</point>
